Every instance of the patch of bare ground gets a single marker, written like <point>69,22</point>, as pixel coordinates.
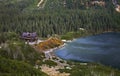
<point>118,8</point>
<point>52,71</point>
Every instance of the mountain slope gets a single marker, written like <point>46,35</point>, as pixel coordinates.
<point>57,17</point>
<point>16,68</point>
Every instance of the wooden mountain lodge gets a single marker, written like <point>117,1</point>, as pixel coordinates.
<point>29,36</point>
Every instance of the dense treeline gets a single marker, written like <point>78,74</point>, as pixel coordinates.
<point>57,19</point>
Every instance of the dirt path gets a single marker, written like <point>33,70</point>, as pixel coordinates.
<point>42,3</point>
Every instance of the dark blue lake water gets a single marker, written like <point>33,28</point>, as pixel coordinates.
<point>102,48</point>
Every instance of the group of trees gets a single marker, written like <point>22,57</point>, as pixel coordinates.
<point>18,18</point>
<point>17,68</point>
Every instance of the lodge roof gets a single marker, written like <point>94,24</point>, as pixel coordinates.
<point>28,34</point>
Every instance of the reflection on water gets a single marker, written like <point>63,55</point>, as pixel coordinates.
<point>102,48</point>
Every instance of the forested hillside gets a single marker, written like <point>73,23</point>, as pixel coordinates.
<point>69,18</point>
<point>57,17</point>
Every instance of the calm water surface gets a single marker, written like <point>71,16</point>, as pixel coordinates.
<point>102,48</point>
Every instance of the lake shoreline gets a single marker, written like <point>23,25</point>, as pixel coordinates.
<point>102,46</point>
<point>50,52</point>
